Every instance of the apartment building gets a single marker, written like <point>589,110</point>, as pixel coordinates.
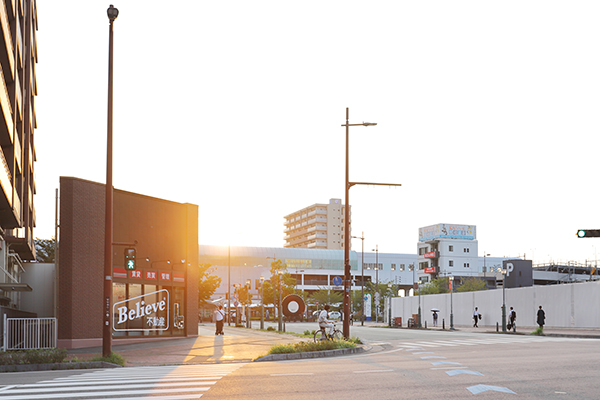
<point>18,58</point>
<point>320,226</point>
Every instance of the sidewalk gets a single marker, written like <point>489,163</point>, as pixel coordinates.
<point>237,345</point>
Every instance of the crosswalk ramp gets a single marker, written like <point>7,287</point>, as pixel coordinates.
<point>478,341</point>
<point>181,382</point>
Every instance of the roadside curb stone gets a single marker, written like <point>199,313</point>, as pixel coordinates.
<point>57,366</point>
<point>311,354</point>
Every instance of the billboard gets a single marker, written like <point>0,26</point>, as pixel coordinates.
<point>447,231</point>
<point>519,273</point>
<point>148,312</point>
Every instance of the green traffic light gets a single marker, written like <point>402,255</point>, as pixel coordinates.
<point>581,233</point>
<point>586,233</point>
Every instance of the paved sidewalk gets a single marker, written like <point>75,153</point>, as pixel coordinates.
<point>237,345</point>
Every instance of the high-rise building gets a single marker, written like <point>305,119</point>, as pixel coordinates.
<point>320,226</point>
<point>18,88</point>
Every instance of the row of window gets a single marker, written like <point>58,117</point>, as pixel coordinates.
<point>379,266</point>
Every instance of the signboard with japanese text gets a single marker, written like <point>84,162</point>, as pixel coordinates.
<point>447,231</point>
<point>148,312</point>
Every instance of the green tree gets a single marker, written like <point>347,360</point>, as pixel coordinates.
<point>45,250</point>
<point>437,285</point>
<point>207,284</point>
<point>324,296</point>
<point>271,287</point>
<point>471,285</point>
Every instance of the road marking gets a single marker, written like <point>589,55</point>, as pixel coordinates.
<point>373,370</point>
<point>430,357</point>
<point>484,388</point>
<point>294,374</point>
<point>445,363</point>
<point>454,367</point>
<point>463,371</point>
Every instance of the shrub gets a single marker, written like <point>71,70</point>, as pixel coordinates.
<point>113,358</point>
<point>538,331</point>
<point>302,347</point>
<point>270,328</point>
<point>35,356</point>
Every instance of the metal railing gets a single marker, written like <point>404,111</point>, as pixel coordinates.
<point>29,333</point>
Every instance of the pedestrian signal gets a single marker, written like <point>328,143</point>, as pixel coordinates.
<point>583,233</point>
<point>130,258</point>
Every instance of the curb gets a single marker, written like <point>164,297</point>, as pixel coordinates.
<point>311,354</point>
<point>57,366</point>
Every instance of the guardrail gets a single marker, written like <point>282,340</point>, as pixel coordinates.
<point>29,333</point>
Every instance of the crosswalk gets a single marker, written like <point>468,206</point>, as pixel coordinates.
<point>181,382</point>
<point>516,339</point>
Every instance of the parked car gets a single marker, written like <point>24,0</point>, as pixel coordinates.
<point>335,315</point>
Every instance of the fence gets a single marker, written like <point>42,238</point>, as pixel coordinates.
<point>29,333</point>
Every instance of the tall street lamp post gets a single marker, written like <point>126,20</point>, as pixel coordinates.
<point>112,13</point>
<point>420,282</point>
<point>376,295</point>
<point>280,323</point>
<point>347,186</point>
<point>503,272</point>
<point>451,280</point>
<point>249,301</point>
<point>362,285</point>
<point>262,303</point>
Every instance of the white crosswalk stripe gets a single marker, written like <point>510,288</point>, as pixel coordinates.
<point>162,383</point>
<point>475,341</point>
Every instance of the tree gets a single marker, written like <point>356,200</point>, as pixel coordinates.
<point>437,285</point>
<point>207,284</point>
<point>45,250</point>
<point>471,285</point>
<point>324,296</point>
<point>271,287</point>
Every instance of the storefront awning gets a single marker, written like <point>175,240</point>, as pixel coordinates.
<point>15,287</point>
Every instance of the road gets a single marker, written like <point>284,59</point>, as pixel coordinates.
<point>412,364</point>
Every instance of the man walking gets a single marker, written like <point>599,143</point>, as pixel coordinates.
<point>512,318</point>
<point>219,320</point>
<point>475,318</point>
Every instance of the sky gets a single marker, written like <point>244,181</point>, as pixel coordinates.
<point>486,111</point>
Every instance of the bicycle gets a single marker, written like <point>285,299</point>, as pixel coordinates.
<point>322,334</point>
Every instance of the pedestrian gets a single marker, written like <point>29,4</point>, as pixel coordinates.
<point>541,317</point>
<point>512,318</point>
<point>476,318</point>
<point>219,320</point>
<point>267,314</point>
<point>435,318</point>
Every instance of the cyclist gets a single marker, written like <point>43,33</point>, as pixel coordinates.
<point>323,321</point>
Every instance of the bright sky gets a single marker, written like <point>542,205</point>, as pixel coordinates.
<point>487,114</point>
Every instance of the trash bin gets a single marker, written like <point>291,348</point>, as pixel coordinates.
<point>398,322</point>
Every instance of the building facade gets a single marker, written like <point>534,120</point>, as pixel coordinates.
<point>320,226</point>
<point>157,298</point>
<point>18,58</point>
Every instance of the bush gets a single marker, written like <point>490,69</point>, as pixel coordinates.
<point>302,347</point>
<point>35,356</point>
<point>538,331</point>
<point>270,328</point>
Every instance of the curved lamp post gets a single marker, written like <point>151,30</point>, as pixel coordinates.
<point>112,13</point>
<point>451,280</point>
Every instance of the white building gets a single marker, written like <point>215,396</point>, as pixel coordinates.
<point>320,226</point>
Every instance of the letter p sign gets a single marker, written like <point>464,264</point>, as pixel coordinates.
<point>509,268</point>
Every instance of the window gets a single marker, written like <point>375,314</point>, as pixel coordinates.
<point>450,248</point>
<point>451,262</point>
<point>466,250</point>
<point>466,265</point>
<point>411,267</point>
<point>393,267</point>
<point>401,267</point>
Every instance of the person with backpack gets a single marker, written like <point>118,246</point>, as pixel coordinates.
<point>512,317</point>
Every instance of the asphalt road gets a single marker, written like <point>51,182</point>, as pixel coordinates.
<point>415,364</point>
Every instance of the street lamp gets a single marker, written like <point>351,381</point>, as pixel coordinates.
<point>280,323</point>
<point>419,282</point>
<point>112,13</point>
<point>347,276</point>
<point>262,303</point>
<point>377,294</point>
<point>451,280</point>
<point>249,301</point>
<point>390,305</point>
<point>503,272</point>
<point>362,285</point>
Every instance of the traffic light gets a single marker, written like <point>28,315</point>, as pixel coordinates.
<point>584,233</point>
<point>130,258</point>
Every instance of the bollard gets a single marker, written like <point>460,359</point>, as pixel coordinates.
<point>443,324</point>
<point>425,324</point>
<point>496,327</point>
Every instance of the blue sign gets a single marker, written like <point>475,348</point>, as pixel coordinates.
<point>337,280</point>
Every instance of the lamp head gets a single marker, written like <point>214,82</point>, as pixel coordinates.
<point>369,123</point>
<point>112,13</point>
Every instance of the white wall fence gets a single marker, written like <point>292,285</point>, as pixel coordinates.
<point>29,333</point>
<point>566,306</point>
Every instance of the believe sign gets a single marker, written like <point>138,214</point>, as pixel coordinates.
<point>149,312</point>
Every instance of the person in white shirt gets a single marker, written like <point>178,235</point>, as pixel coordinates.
<point>219,314</point>
<point>323,321</point>
<point>475,318</point>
